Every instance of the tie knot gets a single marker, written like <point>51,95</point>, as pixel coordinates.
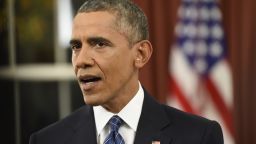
<point>115,122</point>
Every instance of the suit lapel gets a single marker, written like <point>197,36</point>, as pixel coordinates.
<point>151,125</point>
<point>152,121</point>
<point>85,130</point>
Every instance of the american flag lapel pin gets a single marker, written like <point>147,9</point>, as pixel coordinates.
<point>155,142</point>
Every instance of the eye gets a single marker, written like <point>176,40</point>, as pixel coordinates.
<point>75,45</point>
<point>101,44</point>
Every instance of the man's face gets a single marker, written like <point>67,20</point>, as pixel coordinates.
<point>103,60</point>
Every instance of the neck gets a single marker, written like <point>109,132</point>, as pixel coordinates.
<point>116,105</point>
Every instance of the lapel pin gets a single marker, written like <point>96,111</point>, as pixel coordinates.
<point>155,142</point>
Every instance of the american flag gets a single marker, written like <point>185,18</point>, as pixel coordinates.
<point>200,76</point>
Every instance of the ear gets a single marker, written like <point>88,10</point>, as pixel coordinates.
<point>143,53</point>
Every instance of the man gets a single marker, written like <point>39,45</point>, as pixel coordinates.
<point>109,45</point>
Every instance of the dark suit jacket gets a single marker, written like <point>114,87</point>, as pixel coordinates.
<point>157,122</point>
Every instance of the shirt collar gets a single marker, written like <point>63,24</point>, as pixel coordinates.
<point>130,113</point>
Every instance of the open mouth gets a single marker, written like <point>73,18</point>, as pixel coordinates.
<point>89,79</point>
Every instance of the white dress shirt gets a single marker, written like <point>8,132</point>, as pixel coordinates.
<point>130,115</point>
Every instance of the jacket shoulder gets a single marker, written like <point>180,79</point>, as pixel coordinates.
<point>178,116</point>
<point>61,129</point>
<point>193,127</point>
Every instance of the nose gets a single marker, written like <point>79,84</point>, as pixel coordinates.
<point>83,58</point>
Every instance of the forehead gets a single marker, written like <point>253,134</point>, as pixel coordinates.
<point>94,17</point>
<point>96,24</point>
<point>93,20</point>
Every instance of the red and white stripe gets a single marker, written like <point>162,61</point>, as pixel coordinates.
<point>209,96</point>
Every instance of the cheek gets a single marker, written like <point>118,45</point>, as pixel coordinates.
<point>120,67</point>
<point>110,67</point>
<point>73,60</point>
<point>116,65</point>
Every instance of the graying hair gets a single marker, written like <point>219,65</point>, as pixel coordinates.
<point>130,19</point>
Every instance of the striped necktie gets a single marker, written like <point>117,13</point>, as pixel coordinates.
<point>114,137</point>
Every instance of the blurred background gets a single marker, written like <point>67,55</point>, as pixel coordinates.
<point>204,62</point>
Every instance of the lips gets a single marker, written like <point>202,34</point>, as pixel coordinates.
<point>89,81</point>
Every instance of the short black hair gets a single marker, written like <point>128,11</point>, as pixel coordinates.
<point>130,19</point>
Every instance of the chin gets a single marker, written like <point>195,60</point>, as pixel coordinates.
<point>91,102</point>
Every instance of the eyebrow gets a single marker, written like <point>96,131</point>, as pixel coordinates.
<point>98,39</point>
<point>74,41</point>
<point>91,40</point>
